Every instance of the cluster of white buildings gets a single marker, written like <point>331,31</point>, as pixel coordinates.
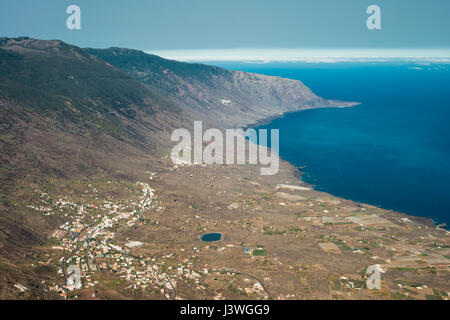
<point>88,240</point>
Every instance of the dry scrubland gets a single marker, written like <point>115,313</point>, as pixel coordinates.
<point>278,242</point>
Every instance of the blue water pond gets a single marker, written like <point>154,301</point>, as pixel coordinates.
<point>210,237</point>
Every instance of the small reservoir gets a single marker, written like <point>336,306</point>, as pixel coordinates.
<point>211,237</point>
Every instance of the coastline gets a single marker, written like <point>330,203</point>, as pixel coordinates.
<point>427,221</point>
<point>332,104</point>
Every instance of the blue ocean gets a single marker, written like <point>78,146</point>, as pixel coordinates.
<point>392,150</point>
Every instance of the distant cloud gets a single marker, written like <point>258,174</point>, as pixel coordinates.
<point>308,55</point>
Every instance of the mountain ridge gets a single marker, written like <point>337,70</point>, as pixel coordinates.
<point>248,97</point>
<point>97,96</point>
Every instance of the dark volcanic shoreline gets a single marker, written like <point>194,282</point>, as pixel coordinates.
<point>426,220</point>
<point>338,104</point>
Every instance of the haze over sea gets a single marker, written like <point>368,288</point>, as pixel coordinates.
<point>392,150</point>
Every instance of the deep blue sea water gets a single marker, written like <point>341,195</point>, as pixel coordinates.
<point>393,150</point>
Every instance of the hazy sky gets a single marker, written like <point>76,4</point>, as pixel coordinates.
<point>212,24</point>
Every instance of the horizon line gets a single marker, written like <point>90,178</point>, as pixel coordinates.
<point>438,55</point>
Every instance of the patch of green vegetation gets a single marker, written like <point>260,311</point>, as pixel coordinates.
<point>233,289</point>
<point>113,284</point>
<point>112,128</point>
<point>360,229</point>
<point>337,285</point>
<point>410,291</point>
<point>267,265</point>
<point>438,245</point>
<point>408,283</point>
<point>405,269</point>
<point>435,292</point>
<point>341,244</point>
<point>374,245</point>
<point>398,296</point>
<point>363,272</point>
<point>270,232</point>
<point>4,266</point>
<point>358,283</point>
<point>341,223</point>
<point>431,270</point>
<point>432,297</point>
<point>53,242</point>
<point>259,252</point>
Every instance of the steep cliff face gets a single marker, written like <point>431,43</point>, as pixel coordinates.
<point>59,100</point>
<point>232,98</point>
